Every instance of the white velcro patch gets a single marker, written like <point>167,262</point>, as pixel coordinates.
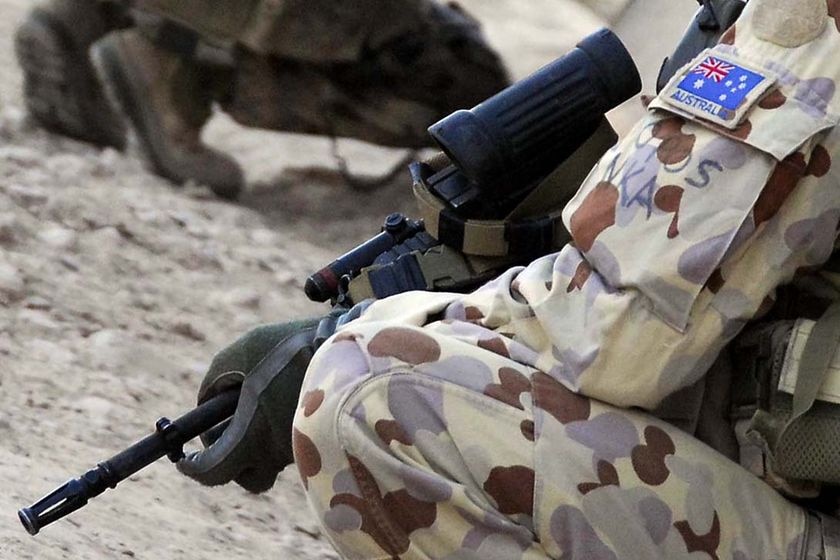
<point>789,23</point>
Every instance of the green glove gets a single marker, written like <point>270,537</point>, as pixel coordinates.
<point>269,363</point>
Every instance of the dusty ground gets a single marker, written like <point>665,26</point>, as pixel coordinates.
<point>116,289</point>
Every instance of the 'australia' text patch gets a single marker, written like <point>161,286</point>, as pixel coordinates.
<point>718,88</point>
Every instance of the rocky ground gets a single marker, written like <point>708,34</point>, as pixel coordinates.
<point>116,289</point>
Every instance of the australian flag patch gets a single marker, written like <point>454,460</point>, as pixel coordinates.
<point>718,88</point>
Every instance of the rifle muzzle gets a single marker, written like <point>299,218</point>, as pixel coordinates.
<point>168,439</point>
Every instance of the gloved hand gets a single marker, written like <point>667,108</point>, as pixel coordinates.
<point>269,363</point>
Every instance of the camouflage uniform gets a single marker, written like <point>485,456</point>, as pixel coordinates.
<point>506,423</point>
<point>309,30</point>
<point>380,71</point>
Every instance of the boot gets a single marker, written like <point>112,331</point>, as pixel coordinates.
<point>167,100</point>
<point>60,87</point>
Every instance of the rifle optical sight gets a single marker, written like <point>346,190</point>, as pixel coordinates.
<point>521,134</point>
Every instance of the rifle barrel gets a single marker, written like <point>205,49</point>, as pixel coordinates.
<point>168,439</point>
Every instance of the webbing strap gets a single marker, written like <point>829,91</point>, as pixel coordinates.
<point>819,350</point>
<point>488,238</point>
<point>438,268</point>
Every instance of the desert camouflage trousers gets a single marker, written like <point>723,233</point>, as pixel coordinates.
<point>433,442</point>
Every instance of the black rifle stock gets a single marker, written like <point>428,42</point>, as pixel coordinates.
<point>168,440</point>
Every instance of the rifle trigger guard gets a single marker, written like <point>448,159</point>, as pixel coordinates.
<point>172,438</point>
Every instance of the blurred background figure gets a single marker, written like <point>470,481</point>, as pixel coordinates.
<point>381,71</point>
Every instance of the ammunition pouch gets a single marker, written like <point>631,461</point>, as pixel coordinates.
<point>786,402</point>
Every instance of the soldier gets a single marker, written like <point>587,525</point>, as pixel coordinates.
<point>379,70</point>
<point>532,417</point>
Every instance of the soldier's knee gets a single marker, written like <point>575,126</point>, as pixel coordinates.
<point>337,370</point>
<point>331,422</point>
<point>341,482</point>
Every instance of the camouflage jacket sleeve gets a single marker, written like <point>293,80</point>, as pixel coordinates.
<point>724,191</point>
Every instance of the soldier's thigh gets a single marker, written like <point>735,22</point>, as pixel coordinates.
<point>414,442</point>
<point>412,445</point>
